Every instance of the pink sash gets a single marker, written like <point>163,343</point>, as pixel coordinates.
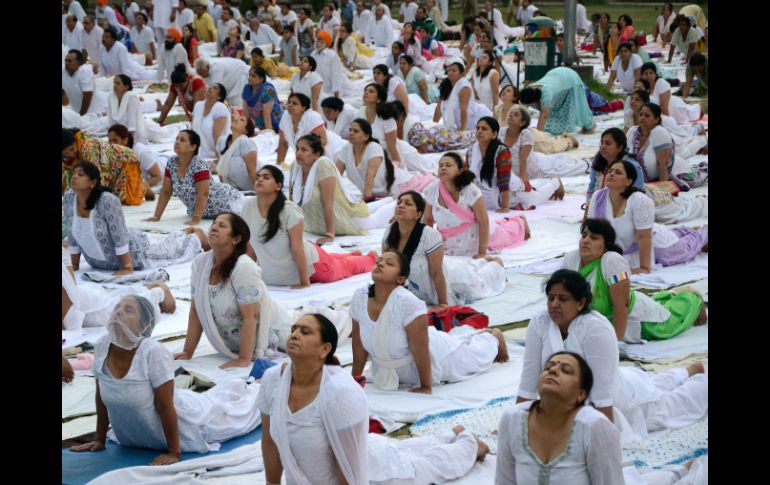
<point>509,233</point>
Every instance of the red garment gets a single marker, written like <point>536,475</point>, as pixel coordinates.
<point>193,42</point>
<point>336,266</point>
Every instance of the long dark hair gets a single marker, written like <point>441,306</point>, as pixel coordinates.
<point>604,229</point>
<point>413,40</point>
<point>274,212</point>
<point>403,269</point>
<point>586,376</point>
<point>126,81</point>
<point>390,176</point>
<point>394,235</point>
<point>238,227</point>
<point>491,65</point>
<point>383,110</point>
<point>195,139</point>
<point>465,177</point>
<point>92,172</point>
<point>600,163</point>
<point>445,88</point>
<point>488,165</point>
<point>179,76</point>
<point>656,111</point>
<point>186,42</point>
<point>385,72</point>
<point>122,132</point>
<point>329,335</point>
<point>630,173</point>
<point>650,66</point>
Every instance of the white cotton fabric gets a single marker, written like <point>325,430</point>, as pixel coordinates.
<point>339,438</point>
<point>329,67</point>
<point>231,73</point>
<point>203,125</point>
<point>450,109</point>
<point>310,121</point>
<point>143,39</point>
<point>232,164</point>
<point>659,138</point>
<point>148,159</point>
<point>275,256</point>
<point>357,174</point>
<point>305,84</point>
<point>91,42</point>
<point>677,108</point>
<point>592,455</point>
<point>81,82</point>
<point>467,242</point>
<point>626,77</point>
<point>484,88</point>
<point>379,32</point>
<point>639,214</point>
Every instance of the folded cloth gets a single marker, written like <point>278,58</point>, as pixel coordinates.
<point>148,276</point>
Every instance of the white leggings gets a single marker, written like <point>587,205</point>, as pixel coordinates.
<point>545,189</point>
<point>684,400</point>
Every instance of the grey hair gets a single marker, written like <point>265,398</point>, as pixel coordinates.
<point>201,63</point>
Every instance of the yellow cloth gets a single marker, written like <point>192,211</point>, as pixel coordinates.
<point>276,69</point>
<point>205,28</point>
<point>344,211</point>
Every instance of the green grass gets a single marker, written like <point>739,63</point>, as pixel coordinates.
<point>600,88</point>
<point>173,119</point>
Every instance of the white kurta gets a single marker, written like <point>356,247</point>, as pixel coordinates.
<point>361,21</point>
<point>116,61</point>
<point>455,356</point>
<point>72,38</point>
<point>81,82</point>
<point>659,140</point>
<point>357,173</point>
<point>408,11</point>
<point>223,32</point>
<point>483,88</point>
<point>305,84</point>
<point>131,12</point>
<point>162,13</point>
<point>203,125</point>
<point>142,39</point>
<point>310,121</point>
<point>127,112</point>
<point>626,77</point>
<point>344,119</point>
<point>77,10</point>
<point>91,42</point>
<point>467,242</point>
<point>204,419</point>
<point>466,279</point>
<point>542,165</point>
<point>677,108</point>
<point>331,71</point>
<point>264,35</point>
<point>450,109</point>
<point>592,455</point>
<point>379,32</point>
<point>232,73</point>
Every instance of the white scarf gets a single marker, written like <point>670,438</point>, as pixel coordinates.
<point>303,194</point>
<point>345,416</point>
<point>223,166</point>
<point>386,377</point>
<point>206,317</point>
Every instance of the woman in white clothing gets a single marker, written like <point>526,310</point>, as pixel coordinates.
<point>338,116</point>
<point>457,206</point>
<point>390,325</point>
<point>238,164</point>
<point>211,120</point>
<point>626,395</point>
<point>315,418</point>
<point>298,120</point>
<point>558,439</point>
<point>377,112</point>
<point>393,85</point>
<point>660,94</point>
<point>278,246</point>
<point>151,165</point>
<point>308,82</point>
<point>627,68</point>
<point>369,167</point>
<point>490,160</point>
<point>346,47</point>
<point>124,108</point>
<point>230,303</point>
<point>663,24</point>
<point>457,105</point>
<point>632,215</point>
<point>535,154</point>
<point>652,145</point>
<point>435,278</point>
<point>486,81</point>
<point>135,394</point>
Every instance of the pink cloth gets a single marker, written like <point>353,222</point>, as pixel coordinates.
<point>84,361</point>
<point>336,266</point>
<point>509,233</point>
<point>417,182</point>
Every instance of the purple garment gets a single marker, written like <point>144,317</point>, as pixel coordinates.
<point>690,243</point>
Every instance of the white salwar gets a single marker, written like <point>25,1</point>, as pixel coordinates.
<point>466,279</point>
<point>591,456</point>
<point>641,402</point>
<point>455,356</point>
<point>204,419</point>
<point>327,435</point>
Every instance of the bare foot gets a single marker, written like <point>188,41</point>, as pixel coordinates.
<point>696,368</point>
<point>702,316</point>
<point>482,450</point>
<point>458,429</point>
<point>494,259</point>
<point>502,346</point>
<point>527,231</point>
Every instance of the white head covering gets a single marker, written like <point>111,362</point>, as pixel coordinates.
<point>127,336</point>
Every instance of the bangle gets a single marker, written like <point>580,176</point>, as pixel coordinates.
<point>443,305</point>
<point>329,234</point>
<point>127,266</point>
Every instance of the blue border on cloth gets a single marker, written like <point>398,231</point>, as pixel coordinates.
<point>453,412</point>
<point>81,468</point>
<point>682,459</point>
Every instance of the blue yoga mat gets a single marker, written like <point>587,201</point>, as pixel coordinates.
<point>81,468</point>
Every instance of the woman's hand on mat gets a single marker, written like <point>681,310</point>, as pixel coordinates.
<point>480,255</point>
<point>90,446</point>
<point>503,210</point>
<point>323,240</point>
<point>165,459</point>
<point>152,219</point>
<point>194,221</point>
<point>123,271</point>
<point>183,355</point>
<point>422,390</point>
<point>236,363</point>
<point>300,286</point>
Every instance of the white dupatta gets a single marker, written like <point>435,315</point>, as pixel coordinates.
<point>386,377</point>
<point>302,194</point>
<point>206,317</point>
<point>223,166</point>
<point>345,415</point>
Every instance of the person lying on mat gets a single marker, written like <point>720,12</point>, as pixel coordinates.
<point>286,258</point>
<point>503,185</point>
<point>390,324</point>
<point>135,394</point>
<point>96,229</point>
<point>648,402</point>
<point>435,278</point>
<point>457,207</point>
<point>559,439</point>
<point>230,302</point>
<point>634,315</point>
<point>632,214</point>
